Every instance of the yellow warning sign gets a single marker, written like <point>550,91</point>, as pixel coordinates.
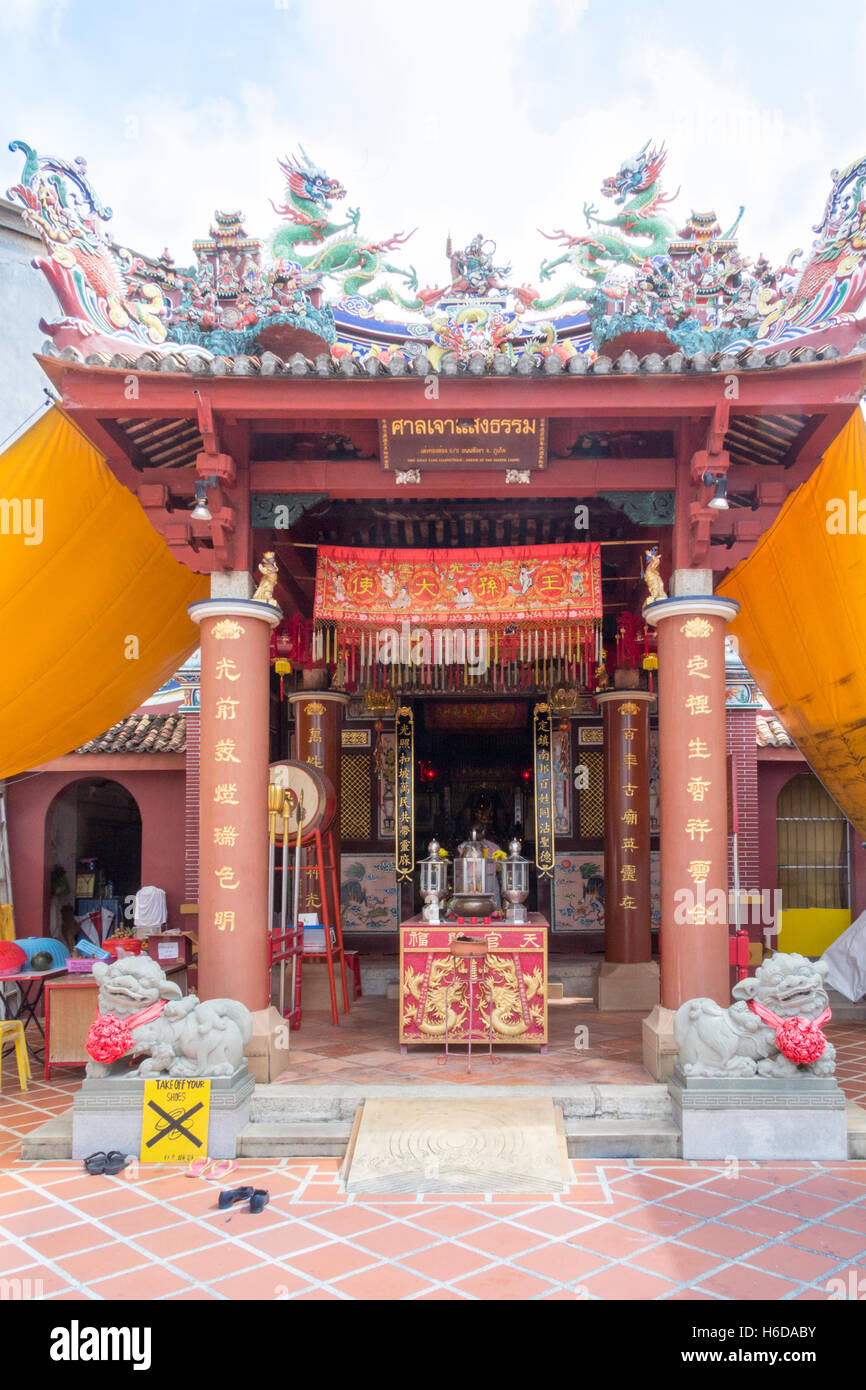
<point>174,1120</point>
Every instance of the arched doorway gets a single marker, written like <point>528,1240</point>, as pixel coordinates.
<point>92,822</point>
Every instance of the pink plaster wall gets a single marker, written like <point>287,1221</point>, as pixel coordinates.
<point>159,794</point>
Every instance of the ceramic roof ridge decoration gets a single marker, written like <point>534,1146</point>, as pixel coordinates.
<point>640,292</point>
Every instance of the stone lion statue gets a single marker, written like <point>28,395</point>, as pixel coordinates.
<point>781,1006</point>
<point>140,1011</point>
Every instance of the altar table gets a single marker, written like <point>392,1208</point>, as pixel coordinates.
<point>431,981</point>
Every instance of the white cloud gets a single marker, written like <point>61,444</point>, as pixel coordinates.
<point>31,18</point>
<point>446,121</point>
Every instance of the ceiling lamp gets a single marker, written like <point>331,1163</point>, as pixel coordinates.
<point>719,483</point>
<point>201,511</point>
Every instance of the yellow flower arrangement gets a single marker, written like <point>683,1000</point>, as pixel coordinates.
<point>443,854</point>
<point>499,854</point>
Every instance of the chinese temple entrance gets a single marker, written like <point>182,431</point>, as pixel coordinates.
<point>474,768</point>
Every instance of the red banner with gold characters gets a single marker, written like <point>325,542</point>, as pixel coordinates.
<point>532,586</point>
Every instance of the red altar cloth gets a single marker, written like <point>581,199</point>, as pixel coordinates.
<point>516,967</point>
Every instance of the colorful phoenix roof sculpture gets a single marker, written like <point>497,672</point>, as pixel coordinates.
<point>631,281</point>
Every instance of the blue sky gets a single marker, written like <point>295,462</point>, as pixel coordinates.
<point>464,116</point>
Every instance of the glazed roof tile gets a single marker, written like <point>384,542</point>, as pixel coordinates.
<point>142,733</point>
<point>197,362</point>
<point>769,732</point>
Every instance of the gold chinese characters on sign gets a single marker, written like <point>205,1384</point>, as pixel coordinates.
<point>628,870</point>
<point>542,725</point>
<point>405,809</point>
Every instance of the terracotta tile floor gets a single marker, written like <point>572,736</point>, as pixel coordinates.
<point>623,1229</point>
<point>364,1049</point>
<point>155,1234</point>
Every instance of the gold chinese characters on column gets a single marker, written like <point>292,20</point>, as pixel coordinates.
<point>313,754</point>
<point>628,843</point>
<point>226,835</point>
<point>405,810</point>
<point>697,709</point>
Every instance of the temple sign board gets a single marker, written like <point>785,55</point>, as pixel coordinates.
<point>498,442</point>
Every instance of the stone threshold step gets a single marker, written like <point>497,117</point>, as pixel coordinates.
<point>53,1139</point>
<point>319,1139</point>
<point>855,1117</point>
<point>598,1138</point>
<point>324,1135</point>
<point>285,1103</point>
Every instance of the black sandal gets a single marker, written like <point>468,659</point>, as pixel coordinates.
<point>115,1162</point>
<point>95,1163</point>
<point>259,1199</point>
<point>230,1195</point>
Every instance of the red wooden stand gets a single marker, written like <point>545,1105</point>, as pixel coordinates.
<point>285,946</point>
<point>331,952</point>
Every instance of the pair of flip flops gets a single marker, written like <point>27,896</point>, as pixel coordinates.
<point>258,1197</point>
<point>211,1169</point>
<point>110,1163</point>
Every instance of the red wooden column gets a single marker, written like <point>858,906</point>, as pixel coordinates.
<point>693,797</point>
<point>319,742</point>
<point>233,824</point>
<point>629,978</point>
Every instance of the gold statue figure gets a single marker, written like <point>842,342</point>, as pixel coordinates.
<point>652,578</point>
<point>268,570</point>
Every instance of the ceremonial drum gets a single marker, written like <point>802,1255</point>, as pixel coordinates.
<point>317,791</point>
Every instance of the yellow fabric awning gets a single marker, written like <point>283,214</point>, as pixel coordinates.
<point>83,578</point>
<point>802,620</point>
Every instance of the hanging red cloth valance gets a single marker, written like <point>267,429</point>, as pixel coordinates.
<point>523,586</point>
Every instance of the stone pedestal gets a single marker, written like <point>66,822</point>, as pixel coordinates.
<point>106,1114</point>
<point>623,986</point>
<point>267,1051</point>
<point>659,1044</point>
<point>760,1117</point>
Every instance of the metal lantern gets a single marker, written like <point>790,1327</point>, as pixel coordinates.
<point>434,881</point>
<point>515,883</point>
<point>471,897</point>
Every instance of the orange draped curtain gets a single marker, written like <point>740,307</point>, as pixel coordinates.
<point>92,603</point>
<point>802,621</point>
